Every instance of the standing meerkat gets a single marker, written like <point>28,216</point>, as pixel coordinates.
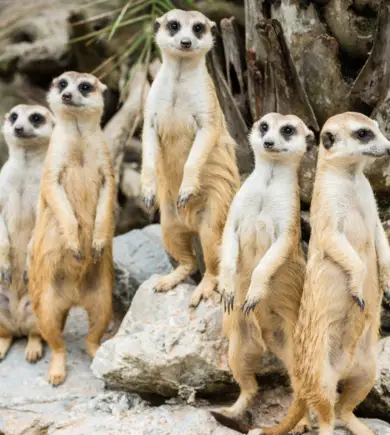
<point>189,164</point>
<point>27,131</point>
<point>71,255</point>
<point>262,264</point>
<point>335,340</point>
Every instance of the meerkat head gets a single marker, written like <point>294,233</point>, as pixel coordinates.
<point>184,34</point>
<point>28,126</point>
<point>280,137</point>
<point>77,94</point>
<point>352,136</point>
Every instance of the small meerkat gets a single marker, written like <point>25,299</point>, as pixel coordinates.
<point>27,130</point>
<point>262,263</point>
<point>189,164</point>
<point>335,340</point>
<point>71,256</point>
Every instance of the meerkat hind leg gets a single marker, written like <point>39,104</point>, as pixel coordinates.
<point>98,304</point>
<point>34,348</point>
<point>354,392</point>
<point>5,342</point>
<point>51,315</point>
<point>178,242</point>
<point>243,360</point>
<point>304,426</point>
<point>210,240</point>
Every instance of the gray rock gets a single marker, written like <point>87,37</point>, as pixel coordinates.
<point>162,347</point>
<point>377,403</point>
<point>137,256</point>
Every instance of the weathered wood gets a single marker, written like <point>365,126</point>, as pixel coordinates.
<point>234,119</point>
<point>234,60</point>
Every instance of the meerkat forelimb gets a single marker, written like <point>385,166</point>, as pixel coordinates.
<point>262,264</point>
<point>71,255</point>
<point>27,130</point>
<point>189,165</point>
<point>334,341</point>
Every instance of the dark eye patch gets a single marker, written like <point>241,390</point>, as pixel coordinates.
<point>199,30</point>
<point>263,128</point>
<point>287,131</point>
<point>13,117</point>
<point>62,84</point>
<point>85,88</point>
<point>173,27</point>
<point>328,140</point>
<point>363,135</point>
<point>36,119</point>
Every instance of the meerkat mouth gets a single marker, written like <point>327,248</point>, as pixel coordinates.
<point>71,103</point>
<point>376,153</point>
<point>24,135</point>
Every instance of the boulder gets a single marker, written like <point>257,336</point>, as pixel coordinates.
<point>377,403</point>
<point>162,347</point>
<point>137,256</point>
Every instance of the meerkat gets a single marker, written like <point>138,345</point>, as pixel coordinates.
<point>335,338</point>
<point>71,255</point>
<point>189,164</point>
<point>27,130</point>
<point>262,263</point>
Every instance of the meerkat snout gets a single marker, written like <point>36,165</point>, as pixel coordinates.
<point>184,33</point>
<point>277,134</point>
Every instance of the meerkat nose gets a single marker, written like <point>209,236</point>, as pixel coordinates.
<point>19,130</point>
<point>67,96</point>
<point>186,43</point>
<point>268,144</point>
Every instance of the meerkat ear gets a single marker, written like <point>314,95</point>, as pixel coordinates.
<point>327,140</point>
<point>102,86</point>
<point>310,140</point>
<point>156,25</point>
<point>213,29</point>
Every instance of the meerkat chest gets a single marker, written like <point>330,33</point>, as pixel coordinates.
<point>175,103</point>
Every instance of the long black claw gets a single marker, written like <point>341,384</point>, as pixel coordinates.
<point>25,277</point>
<point>78,255</point>
<point>359,301</point>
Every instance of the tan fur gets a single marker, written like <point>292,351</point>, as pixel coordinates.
<point>189,161</point>
<point>262,266</point>
<point>19,189</point>
<point>71,257</point>
<point>335,340</point>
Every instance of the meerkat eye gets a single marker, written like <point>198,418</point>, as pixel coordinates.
<point>287,130</point>
<point>362,133</point>
<point>13,117</point>
<point>264,127</point>
<point>173,26</point>
<point>36,118</point>
<point>62,84</point>
<point>198,28</point>
<point>85,87</point>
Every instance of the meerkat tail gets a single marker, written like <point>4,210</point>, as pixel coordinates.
<point>295,414</point>
<point>231,423</point>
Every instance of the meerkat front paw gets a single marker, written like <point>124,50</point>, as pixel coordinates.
<point>6,274</point>
<point>226,290</point>
<point>149,197</point>
<point>185,195</point>
<point>74,248</point>
<point>97,250</point>
<point>255,293</point>
<point>357,296</point>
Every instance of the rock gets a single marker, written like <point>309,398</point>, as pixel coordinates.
<point>162,347</point>
<point>307,174</point>
<point>137,256</point>
<point>377,403</point>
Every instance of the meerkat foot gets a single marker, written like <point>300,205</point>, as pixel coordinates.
<point>57,371</point>
<point>301,429</point>
<point>34,349</point>
<point>206,291</point>
<point>92,348</point>
<point>5,344</point>
<point>168,282</point>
